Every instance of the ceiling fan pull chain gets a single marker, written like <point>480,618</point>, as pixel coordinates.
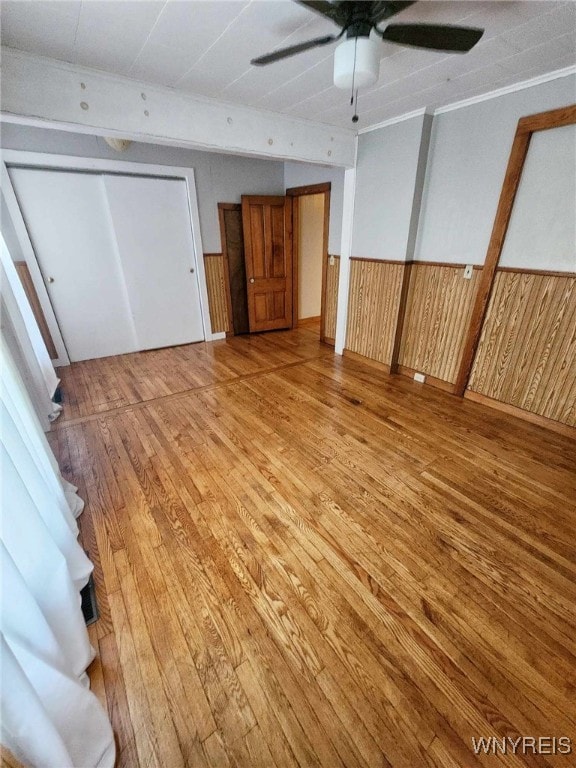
<point>354,71</point>
<point>355,117</point>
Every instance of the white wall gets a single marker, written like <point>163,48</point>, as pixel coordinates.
<point>386,175</point>
<point>219,177</point>
<point>310,253</point>
<point>543,221</point>
<point>469,153</point>
<point>303,174</point>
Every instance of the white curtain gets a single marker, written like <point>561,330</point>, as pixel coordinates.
<point>25,341</point>
<point>49,717</point>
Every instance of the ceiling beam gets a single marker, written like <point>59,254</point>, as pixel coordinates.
<point>41,91</point>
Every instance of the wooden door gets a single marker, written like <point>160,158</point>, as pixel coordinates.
<point>232,236</point>
<point>267,223</point>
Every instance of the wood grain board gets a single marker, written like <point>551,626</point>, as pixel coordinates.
<point>7,759</point>
<point>290,571</point>
<point>527,351</point>
<point>438,311</point>
<point>34,301</point>
<point>373,301</point>
<point>217,299</point>
<point>331,299</point>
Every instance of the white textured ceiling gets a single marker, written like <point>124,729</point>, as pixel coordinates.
<point>205,48</point>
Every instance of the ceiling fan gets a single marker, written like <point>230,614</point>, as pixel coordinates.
<point>357,58</point>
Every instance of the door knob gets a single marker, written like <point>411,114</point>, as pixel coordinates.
<point>251,279</point>
<point>50,279</point>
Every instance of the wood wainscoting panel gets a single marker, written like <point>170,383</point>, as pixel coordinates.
<point>439,306</point>
<point>331,298</point>
<point>373,307</point>
<point>34,301</point>
<point>215,282</point>
<point>527,351</point>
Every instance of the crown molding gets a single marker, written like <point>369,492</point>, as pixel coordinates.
<point>555,75</point>
<point>463,103</point>
<point>393,121</point>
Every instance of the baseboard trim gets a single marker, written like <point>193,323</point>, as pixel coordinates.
<point>366,360</point>
<point>402,370</point>
<point>520,413</point>
<point>309,321</point>
<point>445,386</point>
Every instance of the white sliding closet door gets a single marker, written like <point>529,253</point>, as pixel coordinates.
<point>67,218</point>
<point>117,257</point>
<point>151,220</point>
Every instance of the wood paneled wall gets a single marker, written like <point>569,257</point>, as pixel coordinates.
<point>527,351</point>
<point>214,269</point>
<point>214,266</point>
<point>506,337</point>
<point>331,298</point>
<point>373,307</point>
<point>438,310</point>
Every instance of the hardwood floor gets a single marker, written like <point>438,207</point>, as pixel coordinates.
<point>95,386</point>
<point>302,561</point>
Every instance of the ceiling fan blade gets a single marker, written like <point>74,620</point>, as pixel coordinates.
<point>384,10</point>
<point>329,10</point>
<point>439,37</point>
<point>283,53</point>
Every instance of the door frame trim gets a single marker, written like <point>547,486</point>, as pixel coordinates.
<point>224,250</point>
<point>41,160</point>
<point>296,192</point>
<point>527,126</point>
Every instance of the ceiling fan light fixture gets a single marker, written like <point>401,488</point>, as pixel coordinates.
<point>357,62</point>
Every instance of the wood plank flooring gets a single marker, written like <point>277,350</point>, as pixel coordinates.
<point>301,561</point>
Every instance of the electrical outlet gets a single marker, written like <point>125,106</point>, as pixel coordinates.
<point>468,269</point>
<point>331,260</point>
<point>420,378</point>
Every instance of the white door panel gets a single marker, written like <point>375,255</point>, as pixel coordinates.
<point>151,221</point>
<point>116,254</point>
<point>68,222</point>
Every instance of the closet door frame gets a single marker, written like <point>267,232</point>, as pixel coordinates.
<point>40,160</point>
